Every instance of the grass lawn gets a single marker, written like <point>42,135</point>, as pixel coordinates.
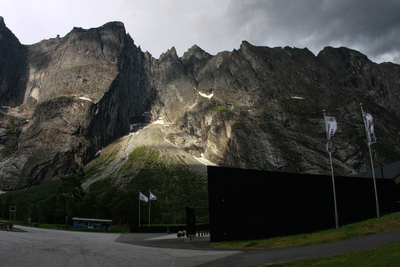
<point>388,255</point>
<point>372,226</point>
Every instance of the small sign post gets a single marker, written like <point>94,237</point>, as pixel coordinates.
<point>12,209</point>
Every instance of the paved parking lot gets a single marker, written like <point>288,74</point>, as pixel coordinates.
<point>40,247</point>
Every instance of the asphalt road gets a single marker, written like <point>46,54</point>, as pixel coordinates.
<point>39,247</point>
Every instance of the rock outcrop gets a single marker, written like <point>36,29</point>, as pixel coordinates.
<point>64,99</point>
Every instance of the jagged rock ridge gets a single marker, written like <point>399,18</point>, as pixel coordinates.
<point>64,99</point>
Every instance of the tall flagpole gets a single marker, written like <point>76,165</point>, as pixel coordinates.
<point>372,164</point>
<point>139,208</point>
<point>334,194</point>
<point>373,177</point>
<point>333,179</point>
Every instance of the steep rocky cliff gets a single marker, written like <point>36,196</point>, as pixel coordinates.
<point>64,99</point>
<point>81,92</point>
<point>266,104</point>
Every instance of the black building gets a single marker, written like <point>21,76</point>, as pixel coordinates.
<point>252,204</point>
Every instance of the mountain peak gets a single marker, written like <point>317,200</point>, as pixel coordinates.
<point>195,52</point>
<point>171,53</point>
<point>8,35</point>
<point>245,44</point>
<point>195,48</point>
<point>114,25</point>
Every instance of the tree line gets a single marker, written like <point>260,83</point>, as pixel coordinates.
<point>70,200</point>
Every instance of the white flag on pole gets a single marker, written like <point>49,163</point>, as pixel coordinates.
<point>152,197</point>
<point>331,126</point>
<point>369,128</point>
<point>143,197</point>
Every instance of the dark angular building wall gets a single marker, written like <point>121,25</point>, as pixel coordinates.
<point>250,204</point>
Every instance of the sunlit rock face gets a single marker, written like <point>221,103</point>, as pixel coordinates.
<point>64,99</point>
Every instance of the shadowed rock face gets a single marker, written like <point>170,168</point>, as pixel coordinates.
<point>71,96</point>
<point>13,68</point>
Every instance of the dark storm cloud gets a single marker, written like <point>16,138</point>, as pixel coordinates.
<point>372,27</point>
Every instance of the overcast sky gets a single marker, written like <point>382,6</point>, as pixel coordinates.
<point>369,26</point>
